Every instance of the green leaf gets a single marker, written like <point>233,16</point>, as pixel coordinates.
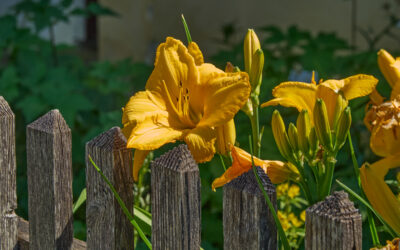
<point>143,219</point>
<point>80,201</point>
<point>122,204</point>
<point>94,9</point>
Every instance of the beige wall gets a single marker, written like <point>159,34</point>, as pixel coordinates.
<point>143,24</point>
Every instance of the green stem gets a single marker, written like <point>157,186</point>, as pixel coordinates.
<point>371,222</point>
<point>281,232</point>
<point>327,179</point>
<point>255,128</point>
<point>222,162</point>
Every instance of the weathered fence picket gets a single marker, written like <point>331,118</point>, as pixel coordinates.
<point>333,224</point>
<point>175,201</point>
<point>8,185</point>
<point>248,223</point>
<point>107,225</point>
<point>49,167</point>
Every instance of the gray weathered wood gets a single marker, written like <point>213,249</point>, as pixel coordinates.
<point>247,221</point>
<point>23,237</point>
<point>107,225</point>
<point>175,201</point>
<point>8,188</point>
<point>333,224</point>
<point>49,167</point>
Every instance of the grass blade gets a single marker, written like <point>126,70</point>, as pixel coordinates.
<point>122,204</point>
<point>188,37</point>
<point>80,201</point>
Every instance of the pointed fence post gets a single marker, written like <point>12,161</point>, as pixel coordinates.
<point>49,167</point>
<point>107,225</point>
<point>8,187</point>
<point>248,223</point>
<point>333,224</point>
<point>175,201</point>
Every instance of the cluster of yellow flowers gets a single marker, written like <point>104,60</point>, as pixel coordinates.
<point>190,100</point>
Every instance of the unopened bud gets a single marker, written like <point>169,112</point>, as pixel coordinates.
<point>257,65</point>
<point>313,141</point>
<point>251,44</point>
<point>303,129</point>
<point>342,128</point>
<point>281,137</point>
<point>321,123</point>
<point>229,68</point>
<point>341,104</point>
<point>293,137</point>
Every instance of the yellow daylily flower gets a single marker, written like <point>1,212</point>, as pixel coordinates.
<point>277,171</point>
<point>335,94</point>
<point>184,99</point>
<point>378,192</point>
<point>226,136</point>
<point>383,118</point>
<point>390,245</point>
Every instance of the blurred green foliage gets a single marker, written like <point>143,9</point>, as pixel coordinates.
<point>37,75</point>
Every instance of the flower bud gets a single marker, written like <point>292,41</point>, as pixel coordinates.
<point>321,123</point>
<point>386,62</point>
<point>313,141</point>
<point>303,130</point>
<point>293,137</point>
<point>257,65</point>
<point>341,104</point>
<point>226,136</point>
<point>281,137</point>
<point>342,128</point>
<point>251,44</point>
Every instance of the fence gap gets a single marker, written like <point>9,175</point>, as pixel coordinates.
<point>247,221</point>
<point>49,167</point>
<point>175,201</point>
<point>107,225</point>
<point>8,170</point>
<point>334,224</point>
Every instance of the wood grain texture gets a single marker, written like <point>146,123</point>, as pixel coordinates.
<point>175,201</point>
<point>107,225</point>
<point>247,221</point>
<point>23,237</point>
<point>49,167</point>
<point>333,224</point>
<point>8,188</point>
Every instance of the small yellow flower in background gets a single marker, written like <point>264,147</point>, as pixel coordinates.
<point>294,191</point>
<point>185,99</point>
<point>391,245</point>
<point>335,94</point>
<point>378,192</point>
<point>277,171</point>
<point>283,218</point>
<point>282,189</point>
<point>303,215</point>
<point>294,220</point>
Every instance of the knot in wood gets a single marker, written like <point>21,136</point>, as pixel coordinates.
<point>177,159</point>
<point>247,182</point>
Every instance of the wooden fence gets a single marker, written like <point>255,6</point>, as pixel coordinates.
<point>175,198</point>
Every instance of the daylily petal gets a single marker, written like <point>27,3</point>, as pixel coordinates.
<point>353,86</point>
<point>174,69</point>
<point>294,94</point>
<point>395,90</point>
<point>385,140</point>
<point>277,171</point>
<point>376,98</point>
<point>152,133</point>
<point>226,136</point>
<point>143,104</point>
<point>138,158</point>
<point>377,191</point>
<point>389,67</point>
<point>195,51</point>
<point>200,142</point>
<point>224,95</point>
